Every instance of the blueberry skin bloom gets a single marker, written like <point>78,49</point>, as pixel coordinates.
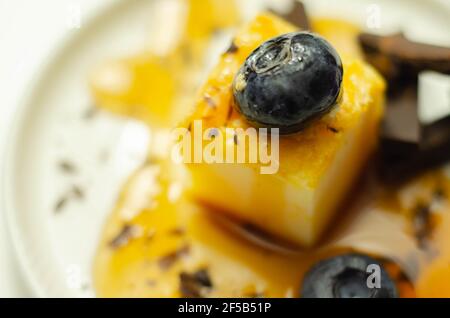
<point>288,82</point>
<point>346,276</point>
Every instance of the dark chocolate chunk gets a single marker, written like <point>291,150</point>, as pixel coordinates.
<point>401,60</point>
<point>409,144</point>
<point>297,15</point>
<point>195,285</point>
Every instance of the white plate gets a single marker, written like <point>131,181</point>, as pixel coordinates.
<point>56,249</point>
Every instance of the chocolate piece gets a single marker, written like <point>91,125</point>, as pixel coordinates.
<point>195,285</point>
<point>296,15</point>
<point>77,192</point>
<point>401,60</point>
<point>167,261</point>
<point>409,144</point>
<point>127,233</point>
<point>67,167</point>
<point>232,49</point>
<point>60,204</point>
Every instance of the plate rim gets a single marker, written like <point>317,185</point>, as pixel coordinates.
<point>10,147</point>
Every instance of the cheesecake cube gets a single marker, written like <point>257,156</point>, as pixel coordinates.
<point>317,167</point>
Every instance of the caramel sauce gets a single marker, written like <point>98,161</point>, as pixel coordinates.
<point>156,233</point>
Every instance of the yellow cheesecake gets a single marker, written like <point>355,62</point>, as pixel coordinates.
<point>317,166</point>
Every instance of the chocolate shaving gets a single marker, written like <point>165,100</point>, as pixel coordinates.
<point>67,167</point>
<point>60,204</point>
<point>297,15</point>
<point>78,192</point>
<point>195,285</point>
<point>126,234</point>
<point>401,60</point>
<point>333,130</point>
<point>408,147</point>
<point>75,192</point>
<point>167,261</point>
<point>232,49</point>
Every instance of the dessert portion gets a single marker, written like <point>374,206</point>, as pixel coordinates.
<point>230,235</point>
<point>328,125</point>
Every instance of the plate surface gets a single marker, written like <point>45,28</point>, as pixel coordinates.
<point>56,240</point>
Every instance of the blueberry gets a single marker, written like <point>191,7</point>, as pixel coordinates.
<point>346,276</point>
<point>288,82</point>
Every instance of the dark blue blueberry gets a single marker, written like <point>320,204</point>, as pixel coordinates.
<point>289,81</point>
<point>346,276</point>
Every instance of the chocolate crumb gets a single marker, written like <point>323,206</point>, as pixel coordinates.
<point>60,204</point>
<point>78,192</point>
<point>232,49</point>
<point>67,167</point>
<point>127,233</point>
<point>167,261</point>
<point>90,113</point>
<point>195,285</point>
<point>332,129</point>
